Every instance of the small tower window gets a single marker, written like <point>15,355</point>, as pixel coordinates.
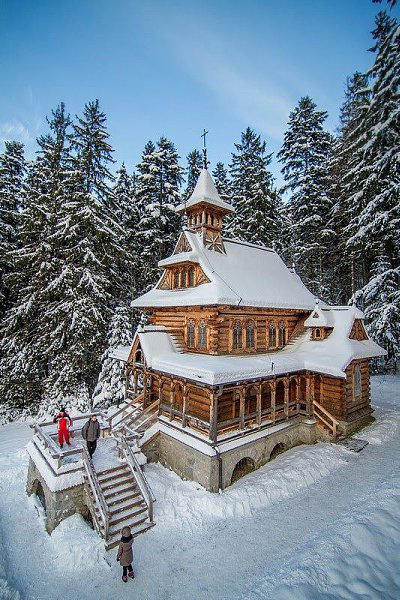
<point>237,335</point>
<point>250,334</point>
<point>272,335</point>
<point>282,334</point>
<point>318,333</point>
<point>191,334</point>
<point>191,276</point>
<point>176,279</point>
<point>202,335</point>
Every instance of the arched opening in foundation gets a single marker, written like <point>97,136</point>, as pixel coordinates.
<point>277,450</point>
<point>87,516</point>
<point>243,467</point>
<point>39,492</point>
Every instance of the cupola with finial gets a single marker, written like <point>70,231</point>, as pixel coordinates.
<point>205,209</point>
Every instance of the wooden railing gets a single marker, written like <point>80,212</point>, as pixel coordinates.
<point>326,418</point>
<point>150,413</point>
<point>98,494</point>
<point>127,405</point>
<point>138,475</point>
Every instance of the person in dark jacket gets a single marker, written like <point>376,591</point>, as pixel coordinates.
<point>91,433</point>
<point>125,554</point>
<point>64,422</point>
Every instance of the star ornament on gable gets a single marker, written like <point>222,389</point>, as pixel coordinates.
<point>213,241</point>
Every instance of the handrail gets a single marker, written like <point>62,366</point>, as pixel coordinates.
<point>335,422</point>
<point>136,399</point>
<point>77,418</point>
<point>138,476</point>
<point>97,491</point>
<point>146,411</point>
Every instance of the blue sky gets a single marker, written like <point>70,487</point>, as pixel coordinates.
<point>172,67</point>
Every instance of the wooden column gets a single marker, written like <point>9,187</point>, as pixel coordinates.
<point>259,404</point>
<point>308,394</point>
<point>135,381</point>
<point>297,394</point>
<point>171,401</point>
<point>213,431</point>
<point>273,399</point>
<point>286,383</point>
<point>241,409</point>
<point>144,390</point>
<point>127,382</point>
<point>184,405</point>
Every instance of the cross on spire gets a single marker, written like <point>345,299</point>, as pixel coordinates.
<point>205,161</point>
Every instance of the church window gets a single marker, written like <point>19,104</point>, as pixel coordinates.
<point>176,279</point>
<point>357,380</point>
<point>272,335</point>
<point>250,334</point>
<point>191,334</point>
<point>237,335</point>
<point>183,278</point>
<point>191,276</point>
<point>317,333</point>
<point>202,335</point>
<point>282,334</point>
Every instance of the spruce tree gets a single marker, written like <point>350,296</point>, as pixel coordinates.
<point>194,166</point>
<point>12,168</point>
<point>110,386</point>
<point>256,218</point>
<point>158,181</point>
<point>305,154</point>
<point>222,183</point>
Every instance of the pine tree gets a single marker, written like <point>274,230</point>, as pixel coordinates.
<point>256,217</point>
<point>27,326</point>
<point>305,155</point>
<point>158,182</point>
<point>110,386</point>
<point>12,168</point>
<point>222,183</point>
<point>195,164</point>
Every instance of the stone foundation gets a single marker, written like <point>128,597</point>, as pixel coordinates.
<point>58,505</point>
<point>213,467</point>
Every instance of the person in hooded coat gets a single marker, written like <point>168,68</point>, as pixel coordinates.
<point>125,554</point>
<point>91,433</point>
<point>64,422</point>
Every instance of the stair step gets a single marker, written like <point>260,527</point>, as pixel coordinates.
<point>123,496</point>
<point>132,522</point>
<point>129,504</point>
<point>115,539</point>
<point>123,470</point>
<point>128,514</point>
<point>107,472</point>
<point>126,480</point>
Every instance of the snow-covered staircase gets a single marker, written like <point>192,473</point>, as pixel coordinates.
<point>119,494</point>
<point>325,421</point>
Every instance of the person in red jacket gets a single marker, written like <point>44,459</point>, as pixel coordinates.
<point>64,423</point>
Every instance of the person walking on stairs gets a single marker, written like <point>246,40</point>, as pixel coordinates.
<point>91,433</point>
<point>64,423</point>
<point>125,553</point>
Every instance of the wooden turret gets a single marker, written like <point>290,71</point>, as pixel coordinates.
<point>205,210</point>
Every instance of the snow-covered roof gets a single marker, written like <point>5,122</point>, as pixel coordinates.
<point>245,275</point>
<point>205,191</point>
<point>330,356</point>
<point>120,353</point>
<point>320,317</point>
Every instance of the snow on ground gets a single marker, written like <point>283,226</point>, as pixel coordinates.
<point>317,523</point>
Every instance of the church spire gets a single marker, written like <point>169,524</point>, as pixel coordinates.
<point>205,161</point>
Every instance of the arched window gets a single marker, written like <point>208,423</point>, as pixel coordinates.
<point>272,335</point>
<point>176,279</point>
<point>250,334</point>
<point>357,380</point>
<point>202,335</point>
<point>191,334</point>
<point>317,333</point>
<point>237,335</point>
<point>282,334</point>
<point>191,276</point>
<point>183,278</point>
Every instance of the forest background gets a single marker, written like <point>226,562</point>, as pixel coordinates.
<point>80,236</point>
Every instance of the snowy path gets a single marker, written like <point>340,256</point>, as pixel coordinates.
<point>319,522</point>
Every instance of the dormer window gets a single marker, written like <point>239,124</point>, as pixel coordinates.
<point>191,332</point>
<point>191,277</point>
<point>183,278</point>
<point>318,333</point>
<point>176,279</point>
<point>202,335</point>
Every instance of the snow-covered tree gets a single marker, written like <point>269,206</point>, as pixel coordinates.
<point>12,167</point>
<point>222,183</point>
<point>194,166</point>
<point>158,181</point>
<point>256,218</point>
<point>110,386</point>
<point>305,155</point>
